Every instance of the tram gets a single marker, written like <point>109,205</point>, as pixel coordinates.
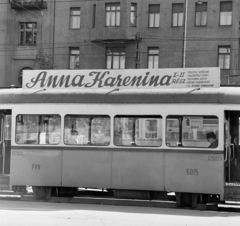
<point>137,143</point>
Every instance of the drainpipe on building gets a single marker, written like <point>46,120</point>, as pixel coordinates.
<point>53,44</point>
<point>184,34</point>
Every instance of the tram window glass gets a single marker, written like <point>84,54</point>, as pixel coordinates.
<point>86,130</point>
<point>138,131</point>
<point>38,129</point>
<point>7,135</point>
<point>190,131</point>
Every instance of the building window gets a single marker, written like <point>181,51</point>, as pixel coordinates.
<point>153,57</point>
<point>133,16</point>
<point>177,15</point>
<point>75,18</point>
<point>112,14</point>
<point>74,58</point>
<point>20,78</point>
<point>154,15</point>
<point>226,13</point>
<point>224,57</point>
<point>94,16</point>
<point>116,58</point>
<point>28,34</point>
<point>201,14</point>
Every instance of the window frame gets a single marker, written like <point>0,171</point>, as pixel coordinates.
<point>24,31</point>
<point>132,141</point>
<point>228,48</point>
<point>113,55</point>
<point>178,12</point>
<point>71,55</point>
<point>112,16</point>
<point>73,17</point>
<point>226,11</point>
<point>133,15</point>
<point>201,14</point>
<point>20,77</point>
<point>41,138</point>
<point>89,132</point>
<point>153,56</point>
<point>180,130</point>
<point>156,15</point>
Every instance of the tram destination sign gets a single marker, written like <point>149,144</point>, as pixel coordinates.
<point>122,79</point>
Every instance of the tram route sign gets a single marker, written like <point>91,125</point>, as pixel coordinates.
<point>122,79</point>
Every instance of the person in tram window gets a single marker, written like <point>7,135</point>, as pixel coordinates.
<point>212,139</point>
<point>235,141</point>
<point>73,138</point>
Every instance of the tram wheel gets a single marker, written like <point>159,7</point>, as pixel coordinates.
<point>67,192</point>
<point>186,199</point>
<point>41,192</point>
<point>54,192</point>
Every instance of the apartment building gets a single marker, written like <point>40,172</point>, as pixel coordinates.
<point>119,34</point>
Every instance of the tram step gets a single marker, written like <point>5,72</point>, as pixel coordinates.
<point>4,182</point>
<point>232,192</point>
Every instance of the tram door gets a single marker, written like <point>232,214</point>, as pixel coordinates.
<point>232,146</point>
<point>5,147</point>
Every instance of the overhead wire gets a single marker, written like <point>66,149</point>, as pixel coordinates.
<point>60,1</point>
<point>51,21</point>
<point>144,37</point>
<point>162,38</point>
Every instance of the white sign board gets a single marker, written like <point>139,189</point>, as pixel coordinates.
<point>192,122</point>
<point>122,79</point>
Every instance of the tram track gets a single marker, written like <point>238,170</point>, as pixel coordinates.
<point>107,199</point>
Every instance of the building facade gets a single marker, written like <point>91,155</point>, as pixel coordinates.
<point>119,34</point>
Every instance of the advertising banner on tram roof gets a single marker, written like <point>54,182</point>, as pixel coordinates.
<point>122,79</point>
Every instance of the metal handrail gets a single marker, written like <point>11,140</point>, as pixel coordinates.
<point>226,156</point>
<point>233,150</point>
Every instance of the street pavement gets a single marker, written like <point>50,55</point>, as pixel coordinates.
<point>20,213</point>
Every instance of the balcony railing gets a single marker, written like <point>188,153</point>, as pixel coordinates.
<point>28,4</point>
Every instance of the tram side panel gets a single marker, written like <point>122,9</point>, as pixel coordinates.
<point>89,168</point>
<point>138,170</point>
<point>117,169</point>
<point>35,166</point>
<point>195,173</point>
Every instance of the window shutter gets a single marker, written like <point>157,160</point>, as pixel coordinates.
<point>177,8</point>
<point>202,7</point>
<point>226,6</point>
<point>154,8</point>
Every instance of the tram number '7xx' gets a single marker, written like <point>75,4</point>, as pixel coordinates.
<point>192,172</point>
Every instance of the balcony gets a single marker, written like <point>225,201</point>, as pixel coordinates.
<point>28,4</point>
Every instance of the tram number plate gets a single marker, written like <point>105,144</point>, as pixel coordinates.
<point>192,172</point>
<point>36,166</point>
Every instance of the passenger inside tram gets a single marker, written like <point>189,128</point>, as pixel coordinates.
<point>73,137</point>
<point>212,139</point>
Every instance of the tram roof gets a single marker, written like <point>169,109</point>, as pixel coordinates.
<point>222,95</point>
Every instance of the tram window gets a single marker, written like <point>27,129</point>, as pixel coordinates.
<point>86,130</point>
<point>138,131</point>
<point>38,129</point>
<point>172,133</point>
<point>190,131</point>
<point>7,135</point>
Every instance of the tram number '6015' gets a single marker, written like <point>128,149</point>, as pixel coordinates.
<point>193,172</point>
